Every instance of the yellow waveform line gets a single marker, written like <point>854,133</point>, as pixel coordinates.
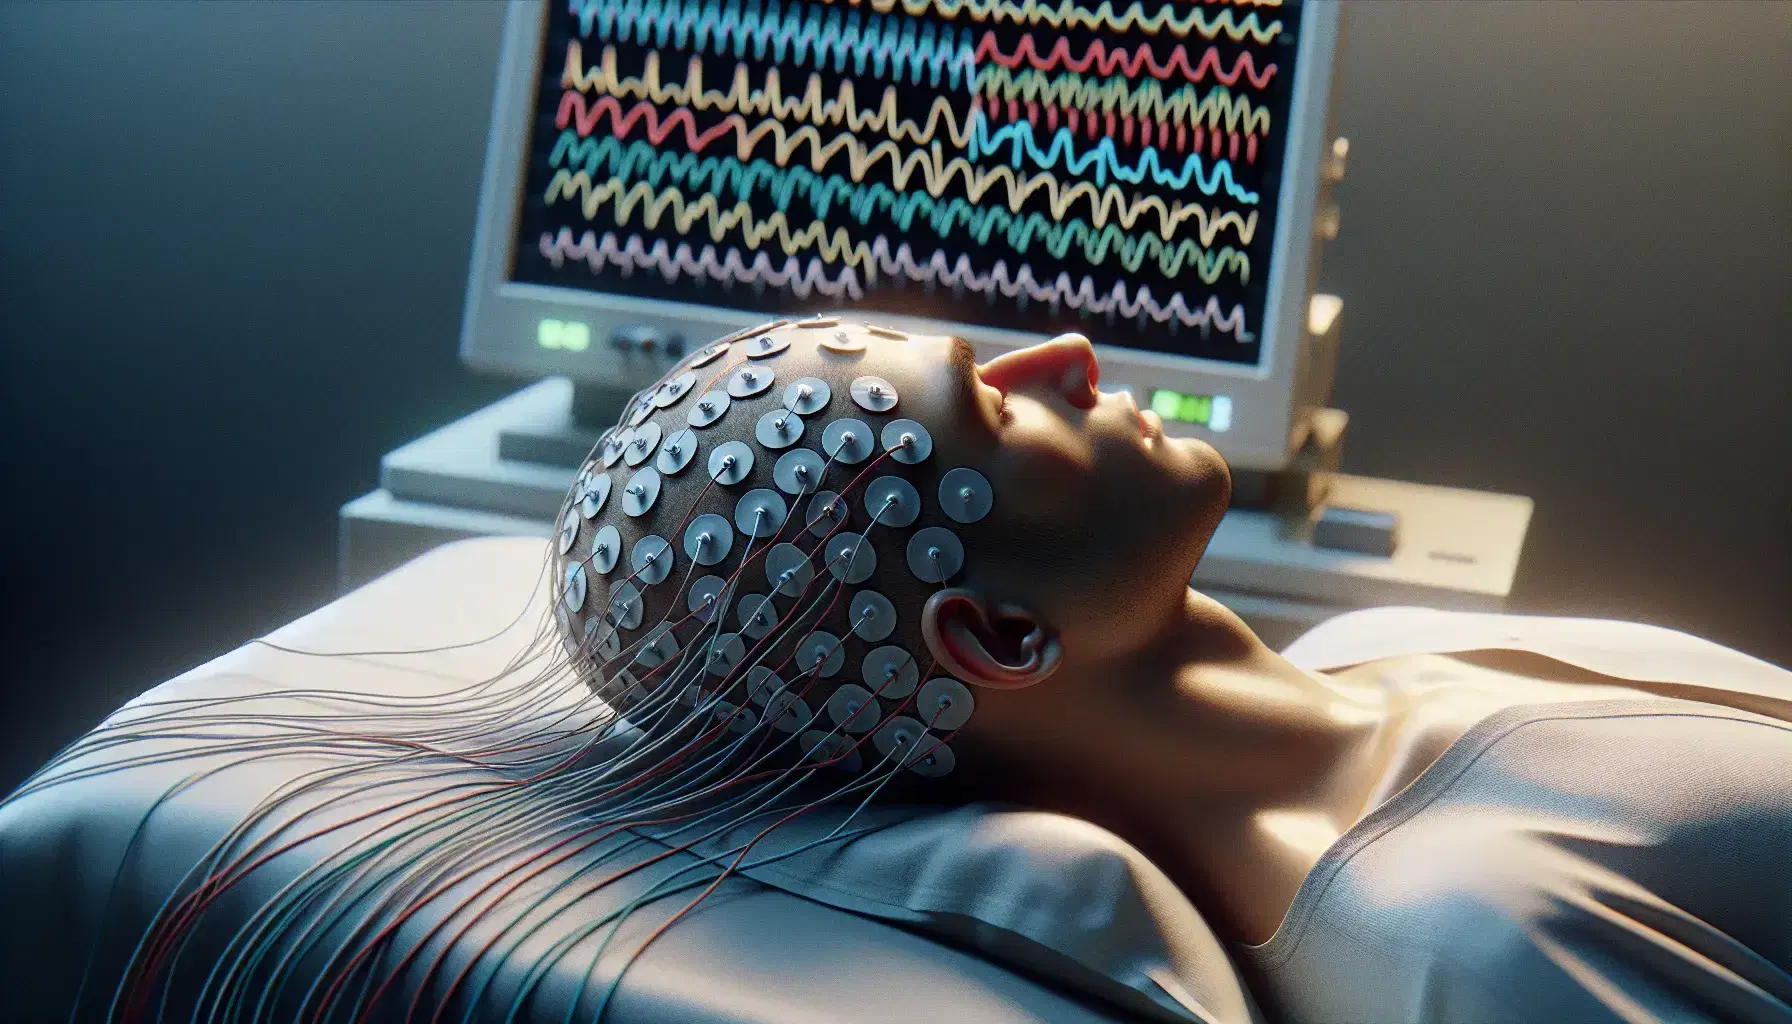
<point>835,247</point>
<point>1068,13</point>
<point>1146,99</point>
<point>766,101</point>
<point>1105,204</point>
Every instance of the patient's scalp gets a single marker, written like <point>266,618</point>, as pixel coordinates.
<point>776,506</point>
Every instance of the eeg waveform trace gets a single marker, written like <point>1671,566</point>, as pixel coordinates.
<point>1027,164</point>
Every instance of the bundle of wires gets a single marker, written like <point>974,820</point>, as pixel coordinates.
<point>455,857</point>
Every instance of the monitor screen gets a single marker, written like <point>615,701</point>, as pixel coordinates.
<point>1022,164</point>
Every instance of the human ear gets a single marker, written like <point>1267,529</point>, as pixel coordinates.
<point>1003,647</point>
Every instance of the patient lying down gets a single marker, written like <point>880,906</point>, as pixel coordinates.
<point>828,567</point>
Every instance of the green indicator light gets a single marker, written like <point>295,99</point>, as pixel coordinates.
<point>563,335</point>
<point>1196,409</point>
<point>1211,411</point>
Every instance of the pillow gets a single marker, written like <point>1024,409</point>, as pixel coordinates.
<point>1046,893</point>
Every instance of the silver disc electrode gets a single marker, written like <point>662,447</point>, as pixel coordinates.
<point>657,647</point>
<point>730,462</point>
<point>848,441</point>
<point>767,345</point>
<point>944,703</point>
<point>705,598</point>
<point>807,396</point>
<point>778,429</point>
<point>965,494</point>
<point>708,539</point>
<point>676,452</point>
<point>822,653</point>
<point>651,559</point>
<point>853,709</point>
<point>627,606</point>
<point>760,512</point>
<point>642,446</point>
<point>788,570</point>
<point>667,395</point>
<point>907,442</point>
<point>762,682</point>
<point>850,558</point>
<point>935,555</point>
<point>708,408</point>
<point>576,581</point>
<point>569,531</point>
<point>606,549</point>
<point>755,331</point>
<point>609,645</point>
<point>935,759</point>
<point>641,491</point>
<point>830,750</point>
<point>890,672</point>
<point>708,355</point>
<point>725,654</point>
<point>750,380</point>
<point>638,413</point>
<point>798,471</point>
<point>597,491</point>
<point>788,713</point>
<point>756,614</point>
<point>818,320</point>
<point>739,721</point>
<point>873,616</point>
<point>873,394</point>
<point>827,511</point>
<point>610,449</point>
<point>844,342</point>
<point>900,740</point>
<point>892,501</point>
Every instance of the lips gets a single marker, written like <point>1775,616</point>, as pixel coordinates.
<point>1151,425</point>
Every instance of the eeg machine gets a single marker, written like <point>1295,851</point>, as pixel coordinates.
<point>1157,176</point>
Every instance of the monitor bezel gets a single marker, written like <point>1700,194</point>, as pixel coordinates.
<point>499,326</point>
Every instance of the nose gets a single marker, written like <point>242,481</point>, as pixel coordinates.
<point>1064,366</point>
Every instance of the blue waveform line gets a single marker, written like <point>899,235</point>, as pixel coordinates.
<point>883,45</point>
<point>1104,158</point>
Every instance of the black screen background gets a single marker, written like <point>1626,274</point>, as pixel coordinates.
<point>894,294</point>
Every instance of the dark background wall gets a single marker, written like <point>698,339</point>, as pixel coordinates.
<point>233,243</point>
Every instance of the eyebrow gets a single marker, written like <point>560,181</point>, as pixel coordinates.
<point>963,361</point>
<point>961,358</point>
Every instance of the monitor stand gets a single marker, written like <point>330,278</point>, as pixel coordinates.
<point>567,441</point>
<point>1295,548</point>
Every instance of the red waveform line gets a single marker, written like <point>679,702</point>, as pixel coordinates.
<point>1097,56</point>
<point>1150,132</point>
<point>574,110</point>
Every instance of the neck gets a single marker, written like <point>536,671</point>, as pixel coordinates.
<point>1228,765</point>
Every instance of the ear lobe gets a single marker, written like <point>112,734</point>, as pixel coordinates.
<point>1004,648</point>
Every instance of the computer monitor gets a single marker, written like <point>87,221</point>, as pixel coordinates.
<point>661,172</point>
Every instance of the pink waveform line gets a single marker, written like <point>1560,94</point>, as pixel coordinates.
<point>1124,126</point>
<point>575,111</point>
<point>1097,56</point>
<point>803,279</point>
